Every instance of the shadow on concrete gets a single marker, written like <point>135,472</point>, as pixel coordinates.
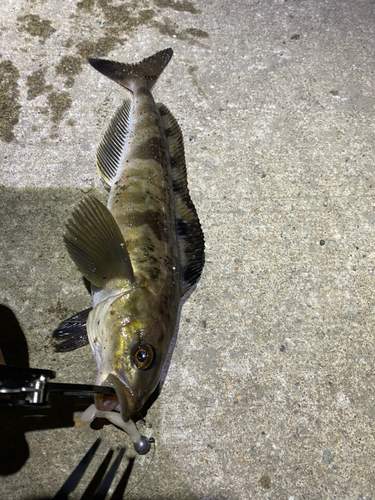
<point>96,481</point>
<point>14,450</point>
<point>16,421</point>
<point>12,339</point>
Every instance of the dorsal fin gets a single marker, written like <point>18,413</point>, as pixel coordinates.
<point>111,148</point>
<point>189,231</point>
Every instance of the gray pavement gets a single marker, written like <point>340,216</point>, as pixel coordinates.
<point>270,393</point>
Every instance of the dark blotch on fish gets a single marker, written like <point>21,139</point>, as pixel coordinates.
<point>149,218</point>
<point>151,149</point>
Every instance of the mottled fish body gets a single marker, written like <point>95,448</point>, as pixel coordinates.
<point>142,252</point>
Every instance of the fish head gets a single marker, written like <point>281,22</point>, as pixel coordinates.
<point>130,336</point>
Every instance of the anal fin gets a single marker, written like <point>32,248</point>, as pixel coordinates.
<point>189,231</point>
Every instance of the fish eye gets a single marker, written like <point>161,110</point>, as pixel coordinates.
<point>144,357</point>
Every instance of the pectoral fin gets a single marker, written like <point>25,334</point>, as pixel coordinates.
<point>96,245</point>
<point>71,333</point>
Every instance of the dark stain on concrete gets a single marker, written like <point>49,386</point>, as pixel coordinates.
<point>121,20</point>
<point>59,311</point>
<point>117,22</point>
<point>181,6</point>
<point>265,482</point>
<point>169,28</point>
<point>190,35</point>
<point>191,70</point>
<point>9,105</point>
<point>68,43</point>
<point>36,26</point>
<point>36,84</point>
<point>101,48</point>
<point>125,17</point>
<point>144,16</point>
<point>196,32</point>
<point>59,102</point>
<point>69,82</point>
<point>86,4</point>
<point>69,66</point>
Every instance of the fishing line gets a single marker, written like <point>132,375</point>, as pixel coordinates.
<point>152,441</point>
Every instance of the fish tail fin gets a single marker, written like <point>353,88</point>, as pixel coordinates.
<point>148,70</point>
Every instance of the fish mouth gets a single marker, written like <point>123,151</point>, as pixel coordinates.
<point>122,401</point>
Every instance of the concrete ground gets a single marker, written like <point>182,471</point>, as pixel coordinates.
<point>270,393</point>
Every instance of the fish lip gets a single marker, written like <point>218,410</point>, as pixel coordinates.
<point>123,394</point>
<point>105,402</point>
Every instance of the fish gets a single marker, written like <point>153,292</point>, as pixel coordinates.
<point>142,252</point>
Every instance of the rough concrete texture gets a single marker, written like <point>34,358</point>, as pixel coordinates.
<point>270,393</point>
